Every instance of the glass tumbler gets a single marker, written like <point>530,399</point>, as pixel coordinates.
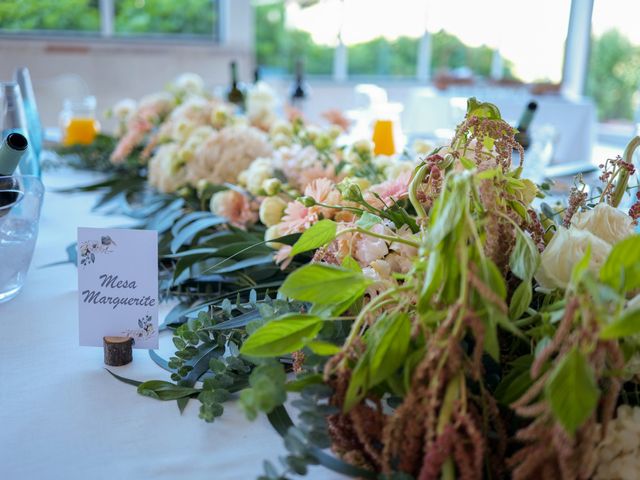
<point>20,204</point>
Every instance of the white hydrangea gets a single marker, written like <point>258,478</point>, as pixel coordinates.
<point>225,153</point>
<point>253,177</point>
<point>165,173</point>
<point>159,103</point>
<point>261,106</point>
<point>124,109</point>
<point>618,454</point>
<point>189,84</point>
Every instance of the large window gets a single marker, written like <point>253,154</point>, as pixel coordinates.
<point>614,68</point>
<point>515,40</point>
<point>171,19</point>
<point>23,16</point>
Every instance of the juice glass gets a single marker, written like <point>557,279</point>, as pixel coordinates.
<point>78,122</point>
<point>383,138</point>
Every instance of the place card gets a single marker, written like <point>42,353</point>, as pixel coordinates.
<point>118,285</point>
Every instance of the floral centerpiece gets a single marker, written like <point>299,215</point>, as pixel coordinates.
<point>434,320</point>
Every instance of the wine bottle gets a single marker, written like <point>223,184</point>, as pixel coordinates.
<point>299,92</point>
<point>235,95</point>
<point>523,137</point>
<point>12,149</point>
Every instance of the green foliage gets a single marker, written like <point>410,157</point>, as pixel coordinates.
<point>317,236</point>
<point>387,345</point>
<point>282,335</point>
<point>572,390</point>
<point>192,17</point>
<point>621,270</point>
<point>267,390</point>
<point>626,324</point>
<point>324,284</point>
<point>78,15</point>
<point>614,75</point>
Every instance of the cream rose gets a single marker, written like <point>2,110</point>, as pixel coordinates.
<point>566,248</point>
<point>605,222</point>
<point>271,210</point>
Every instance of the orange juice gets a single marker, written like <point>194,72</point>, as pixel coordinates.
<point>383,138</point>
<point>81,130</point>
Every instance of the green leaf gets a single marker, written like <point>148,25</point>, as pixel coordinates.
<point>482,109</point>
<point>357,384</point>
<point>525,257</point>
<point>581,267</point>
<point>388,341</point>
<point>572,391</point>
<point>188,233</point>
<point>350,264</point>
<point>516,382</point>
<point>320,347</point>
<point>317,236</point>
<point>165,390</point>
<point>368,220</point>
<point>300,382</point>
<point>324,284</point>
<point>621,270</point>
<point>520,300</point>
<point>627,324</point>
<point>281,336</point>
<point>449,207</point>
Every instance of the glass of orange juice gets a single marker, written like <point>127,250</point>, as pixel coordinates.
<point>78,121</point>
<point>383,138</point>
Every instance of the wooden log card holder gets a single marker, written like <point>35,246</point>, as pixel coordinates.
<point>118,351</point>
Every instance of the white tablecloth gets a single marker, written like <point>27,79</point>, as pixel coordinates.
<point>62,416</point>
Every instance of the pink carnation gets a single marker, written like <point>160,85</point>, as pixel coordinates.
<point>235,207</point>
<point>297,218</point>
<point>390,190</point>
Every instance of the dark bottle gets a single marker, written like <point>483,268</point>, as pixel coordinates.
<point>235,95</point>
<point>300,90</point>
<point>256,75</point>
<point>523,137</point>
<point>12,149</point>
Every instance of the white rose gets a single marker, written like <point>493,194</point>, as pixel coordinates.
<point>124,109</point>
<point>605,222</point>
<point>271,210</point>
<point>219,200</point>
<point>190,83</point>
<point>566,248</point>
<point>271,233</point>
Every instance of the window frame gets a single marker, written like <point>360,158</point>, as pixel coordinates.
<point>107,35</point>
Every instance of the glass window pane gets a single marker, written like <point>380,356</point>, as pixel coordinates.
<point>49,15</point>
<point>279,42</point>
<point>529,35</point>
<point>392,58</point>
<point>614,67</point>
<point>159,17</point>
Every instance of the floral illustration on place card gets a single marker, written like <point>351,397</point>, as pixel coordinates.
<point>145,331</point>
<point>89,249</point>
